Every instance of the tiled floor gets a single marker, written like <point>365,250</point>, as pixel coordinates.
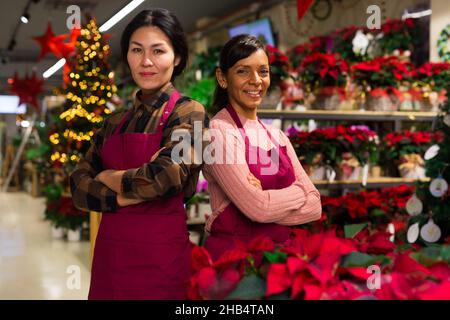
<point>32,264</point>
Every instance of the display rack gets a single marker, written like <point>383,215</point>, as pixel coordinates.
<point>351,115</point>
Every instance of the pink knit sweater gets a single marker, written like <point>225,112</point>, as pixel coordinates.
<point>296,204</point>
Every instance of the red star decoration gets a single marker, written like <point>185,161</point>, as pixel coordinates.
<point>55,44</point>
<point>27,89</point>
<point>46,41</point>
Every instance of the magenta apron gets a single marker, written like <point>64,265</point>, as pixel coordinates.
<point>142,251</point>
<point>231,224</point>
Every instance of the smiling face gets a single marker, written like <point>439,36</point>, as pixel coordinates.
<point>247,81</point>
<point>151,58</point>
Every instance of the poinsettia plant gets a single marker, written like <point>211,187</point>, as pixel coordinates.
<point>401,143</point>
<point>382,72</point>
<point>315,147</point>
<point>330,143</point>
<point>398,34</point>
<point>342,43</point>
<point>372,209</point>
<point>279,66</point>
<point>320,266</point>
<point>319,70</point>
<point>436,75</point>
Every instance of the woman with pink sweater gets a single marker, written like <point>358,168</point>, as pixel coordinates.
<point>256,183</point>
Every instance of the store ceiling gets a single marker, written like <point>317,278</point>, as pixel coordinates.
<point>25,53</point>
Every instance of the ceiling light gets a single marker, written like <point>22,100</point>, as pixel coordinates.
<point>25,18</point>
<point>120,15</point>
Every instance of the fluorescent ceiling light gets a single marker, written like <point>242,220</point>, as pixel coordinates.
<point>104,27</point>
<point>50,71</point>
<point>120,15</point>
<point>416,15</point>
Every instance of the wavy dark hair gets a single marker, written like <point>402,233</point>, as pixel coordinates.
<point>168,23</point>
<point>237,48</point>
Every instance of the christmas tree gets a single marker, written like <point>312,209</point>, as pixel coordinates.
<point>430,206</point>
<point>89,87</point>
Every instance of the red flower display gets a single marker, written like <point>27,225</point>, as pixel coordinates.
<point>400,143</point>
<point>382,72</point>
<point>321,266</point>
<point>320,70</point>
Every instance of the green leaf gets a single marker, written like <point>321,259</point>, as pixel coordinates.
<point>250,287</point>
<point>285,295</point>
<point>359,259</point>
<point>351,230</point>
<point>275,257</point>
<point>445,253</point>
<point>377,212</point>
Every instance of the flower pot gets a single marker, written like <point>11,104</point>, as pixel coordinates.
<point>317,173</point>
<point>194,237</point>
<point>57,232</point>
<point>192,211</point>
<point>375,172</point>
<point>203,209</point>
<point>379,100</point>
<point>349,168</point>
<point>271,100</point>
<point>74,235</point>
<point>329,98</point>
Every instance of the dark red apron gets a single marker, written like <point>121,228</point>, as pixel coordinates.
<point>142,251</point>
<point>232,225</point>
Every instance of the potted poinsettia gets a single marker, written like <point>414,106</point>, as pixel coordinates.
<point>317,150</point>
<point>398,35</point>
<point>359,148</point>
<point>380,78</point>
<point>325,75</point>
<point>73,218</point>
<point>380,210</point>
<point>279,66</point>
<point>431,80</point>
<point>406,150</point>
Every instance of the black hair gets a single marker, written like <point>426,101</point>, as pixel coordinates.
<point>237,48</point>
<point>168,23</point>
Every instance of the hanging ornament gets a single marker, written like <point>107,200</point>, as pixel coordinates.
<point>45,41</point>
<point>27,89</point>
<point>430,232</point>
<point>391,230</point>
<point>55,44</point>
<point>447,120</point>
<point>66,49</point>
<point>438,187</point>
<point>413,233</point>
<point>432,152</point>
<point>414,206</point>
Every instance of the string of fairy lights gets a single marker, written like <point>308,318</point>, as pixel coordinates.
<point>87,94</point>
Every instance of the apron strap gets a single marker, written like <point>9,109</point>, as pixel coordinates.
<point>238,122</point>
<point>174,97</point>
<point>122,122</point>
